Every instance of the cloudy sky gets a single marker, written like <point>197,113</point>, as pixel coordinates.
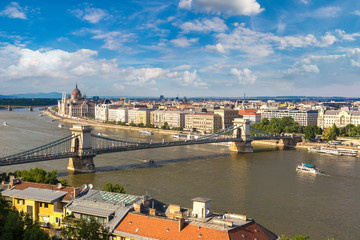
<point>186,47</point>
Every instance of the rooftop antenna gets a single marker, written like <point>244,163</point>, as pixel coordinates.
<point>58,185</point>
<point>90,186</point>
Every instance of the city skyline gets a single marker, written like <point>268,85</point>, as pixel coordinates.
<point>186,47</point>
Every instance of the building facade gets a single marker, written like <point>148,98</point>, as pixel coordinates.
<point>341,118</point>
<point>252,115</point>
<point>227,116</point>
<point>203,122</point>
<point>76,105</point>
<point>173,118</point>
<point>303,117</point>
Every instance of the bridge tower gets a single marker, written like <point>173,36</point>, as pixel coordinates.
<point>243,133</point>
<point>81,145</point>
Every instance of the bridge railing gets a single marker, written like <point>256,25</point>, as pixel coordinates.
<point>53,149</point>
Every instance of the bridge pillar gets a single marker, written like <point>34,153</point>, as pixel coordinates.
<point>242,133</point>
<point>81,145</point>
<point>290,142</point>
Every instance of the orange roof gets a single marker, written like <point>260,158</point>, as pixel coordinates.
<point>248,112</point>
<point>161,228</point>
<point>25,185</point>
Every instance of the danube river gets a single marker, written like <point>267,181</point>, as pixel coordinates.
<point>262,185</point>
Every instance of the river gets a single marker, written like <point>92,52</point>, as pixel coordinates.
<point>262,185</point>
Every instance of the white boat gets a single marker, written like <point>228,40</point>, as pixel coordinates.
<point>144,131</point>
<point>335,151</point>
<point>308,168</point>
<point>188,136</point>
<point>60,126</point>
<point>41,114</point>
<point>5,124</point>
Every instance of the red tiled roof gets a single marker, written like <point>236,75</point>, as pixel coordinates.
<point>160,228</point>
<point>248,112</point>
<point>25,185</point>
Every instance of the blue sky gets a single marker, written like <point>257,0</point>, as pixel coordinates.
<point>186,47</point>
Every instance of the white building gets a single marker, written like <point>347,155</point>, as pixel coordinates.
<point>118,114</point>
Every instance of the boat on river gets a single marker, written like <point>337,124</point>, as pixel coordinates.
<point>308,168</point>
<point>188,136</point>
<point>335,151</point>
<point>60,126</point>
<point>146,132</point>
<point>5,124</point>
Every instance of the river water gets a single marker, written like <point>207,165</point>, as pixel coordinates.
<point>262,185</point>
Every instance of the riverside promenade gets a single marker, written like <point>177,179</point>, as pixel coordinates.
<point>99,123</point>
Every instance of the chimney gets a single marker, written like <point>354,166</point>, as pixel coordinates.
<point>76,192</point>
<point>137,207</point>
<point>152,211</point>
<point>181,224</point>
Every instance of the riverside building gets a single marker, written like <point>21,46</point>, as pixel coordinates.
<point>303,117</point>
<point>341,118</point>
<point>76,105</point>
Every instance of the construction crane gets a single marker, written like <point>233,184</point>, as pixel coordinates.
<point>122,100</point>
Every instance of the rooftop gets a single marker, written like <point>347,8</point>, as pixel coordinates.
<point>37,194</point>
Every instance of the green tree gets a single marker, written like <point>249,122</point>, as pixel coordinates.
<point>310,131</point>
<point>165,126</point>
<point>331,133</point>
<point>141,125</point>
<point>39,175</point>
<point>113,188</point>
<point>88,229</point>
<point>132,124</point>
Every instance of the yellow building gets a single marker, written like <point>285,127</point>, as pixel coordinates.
<point>43,202</point>
<point>143,116</point>
<point>204,122</point>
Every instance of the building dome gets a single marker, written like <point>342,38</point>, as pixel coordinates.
<point>76,94</point>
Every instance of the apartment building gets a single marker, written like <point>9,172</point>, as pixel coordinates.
<point>143,116</point>
<point>341,117</point>
<point>118,114</point>
<point>173,222</point>
<point>102,112</point>
<point>203,122</point>
<point>173,118</point>
<point>227,116</point>
<point>303,117</point>
<point>43,202</point>
<point>252,115</point>
<point>132,115</point>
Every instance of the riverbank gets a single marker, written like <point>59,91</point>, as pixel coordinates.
<point>98,123</point>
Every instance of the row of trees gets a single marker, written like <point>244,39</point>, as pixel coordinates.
<point>37,175</point>
<point>288,125</point>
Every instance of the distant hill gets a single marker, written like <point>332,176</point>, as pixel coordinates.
<point>34,95</point>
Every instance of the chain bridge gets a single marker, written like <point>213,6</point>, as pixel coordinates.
<point>82,146</point>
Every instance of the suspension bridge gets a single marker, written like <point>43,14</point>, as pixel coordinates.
<point>82,146</point>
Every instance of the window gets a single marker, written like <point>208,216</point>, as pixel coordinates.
<point>46,205</point>
<point>19,202</point>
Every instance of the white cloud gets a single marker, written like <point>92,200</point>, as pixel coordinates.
<point>229,7</point>
<point>327,40</point>
<point>326,12</point>
<point>114,40</point>
<point>260,44</point>
<point>357,12</point>
<point>56,67</point>
<point>141,76</point>
<point>347,37</point>
<point>184,42</point>
<point>328,63</point>
<point>218,47</point>
<point>13,10</point>
<point>305,1</point>
<point>244,76</point>
<point>215,24</point>
<point>91,15</point>
<point>187,79</point>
